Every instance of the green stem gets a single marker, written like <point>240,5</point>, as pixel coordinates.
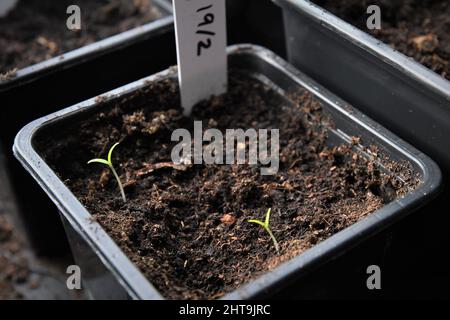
<point>275,242</point>
<point>122,192</point>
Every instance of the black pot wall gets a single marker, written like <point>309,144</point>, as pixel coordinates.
<point>402,100</point>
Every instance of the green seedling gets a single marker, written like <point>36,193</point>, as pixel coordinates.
<point>108,162</point>
<point>265,225</point>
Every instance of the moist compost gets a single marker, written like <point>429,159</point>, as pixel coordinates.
<point>418,28</point>
<point>185,226</point>
<point>36,30</point>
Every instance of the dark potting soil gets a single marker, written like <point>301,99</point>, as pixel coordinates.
<point>418,28</point>
<point>36,30</point>
<point>185,226</point>
<point>14,268</point>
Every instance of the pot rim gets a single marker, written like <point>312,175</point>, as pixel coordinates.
<point>364,40</point>
<point>85,53</point>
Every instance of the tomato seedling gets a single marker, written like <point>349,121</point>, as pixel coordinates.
<point>108,162</point>
<point>266,227</point>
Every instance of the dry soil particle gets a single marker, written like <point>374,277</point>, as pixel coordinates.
<point>35,30</point>
<point>418,28</point>
<point>186,227</point>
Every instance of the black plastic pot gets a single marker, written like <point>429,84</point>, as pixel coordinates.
<point>83,54</point>
<point>108,273</point>
<point>396,90</point>
<point>408,99</point>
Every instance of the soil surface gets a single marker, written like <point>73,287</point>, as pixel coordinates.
<point>185,226</point>
<point>36,30</point>
<point>418,28</point>
<point>13,264</point>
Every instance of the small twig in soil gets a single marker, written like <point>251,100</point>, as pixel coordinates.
<point>108,162</point>
<point>266,227</point>
<point>149,167</point>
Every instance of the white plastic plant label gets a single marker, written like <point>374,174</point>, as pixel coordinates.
<point>6,6</point>
<point>200,28</point>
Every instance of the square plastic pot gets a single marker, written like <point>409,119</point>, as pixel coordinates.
<point>105,264</point>
<point>407,98</point>
<point>397,91</point>
<point>88,52</point>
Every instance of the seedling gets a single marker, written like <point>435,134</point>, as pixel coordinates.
<point>265,225</point>
<point>108,162</point>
